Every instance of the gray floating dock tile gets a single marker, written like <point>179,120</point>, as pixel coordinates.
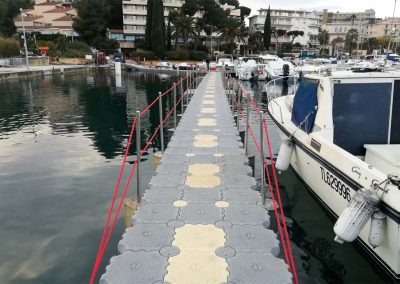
<point>200,214</point>
<point>238,181</point>
<point>236,168</point>
<point>209,196</point>
<point>240,195</point>
<point>240,214</point>
<point>155,213</point>
<point>252,238</point>
<point>177,169</point>
<point>167,180</point>
<point>257,268</point>
<point>135,267</point>
<point>147,237</point>
<point>162,195</point>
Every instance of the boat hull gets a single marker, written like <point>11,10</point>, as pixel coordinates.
<point>334,190</point>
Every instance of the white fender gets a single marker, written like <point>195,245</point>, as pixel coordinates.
<point>355,215</point>
<point>284,155</point>
<point>376,232</point>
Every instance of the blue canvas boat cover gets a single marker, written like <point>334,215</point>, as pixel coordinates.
<point>305,105</point>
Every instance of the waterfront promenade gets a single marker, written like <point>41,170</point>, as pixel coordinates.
<point>201,218</point>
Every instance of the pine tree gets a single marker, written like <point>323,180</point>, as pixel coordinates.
<point>158,28</point>
<point>91,24</point>
<point>267,30</point>
<point>149,22</point>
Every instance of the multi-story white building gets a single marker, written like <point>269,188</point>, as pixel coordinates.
<point>338,24</point>
<point>308,22</point>
<point>134,18</point>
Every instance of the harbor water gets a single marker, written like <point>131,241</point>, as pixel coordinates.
<point>62,141</point>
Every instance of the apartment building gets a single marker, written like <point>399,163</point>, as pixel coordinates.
<point>337,24</point>
<point>290,20</point>
<point>47,18</point>
<point>389,27</point>
<point>134,18</point>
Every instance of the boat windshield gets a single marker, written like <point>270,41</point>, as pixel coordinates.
<point>366,113</point>
<point>305,105</point>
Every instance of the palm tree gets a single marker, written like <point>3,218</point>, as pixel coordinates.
<point>184,27</point>
<point>351,38</point>
<point>231,33</point>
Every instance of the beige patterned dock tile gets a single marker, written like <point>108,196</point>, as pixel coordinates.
<point>207,122</point>
<point>196,268</point>
<point>197,262</point>
<point>180,203</point>
<point>203,169</point>
<point>221,204</point>
<point>209,102</point>
<point>199,238</point>
<point>205,144</point>
<point>203,181</point>
<point>207,110</point>
<point>205,137</point>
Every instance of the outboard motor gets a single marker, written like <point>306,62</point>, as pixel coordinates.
<point>286,72</point>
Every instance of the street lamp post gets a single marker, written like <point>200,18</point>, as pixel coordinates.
<point>25,44</point>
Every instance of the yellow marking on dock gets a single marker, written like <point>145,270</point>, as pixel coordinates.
<point>197,262</point>
<point>199,237</point>
<point>205,141</point>
<point>222,204</point>
<point>190,155</point>
<point>218,155</point>
<point>207,122</point>
<point>203,181</point>
<point>209,102</point>
<point>180,203</point>
<point>207,110</point>
<point>203,169</point>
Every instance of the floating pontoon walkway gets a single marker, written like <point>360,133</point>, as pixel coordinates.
<point>201,219</point>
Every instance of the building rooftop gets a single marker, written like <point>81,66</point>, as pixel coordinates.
<point>63,18</point>
<point>49,4</point>
<point>58,10</point>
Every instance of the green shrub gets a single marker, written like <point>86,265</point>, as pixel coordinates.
<point>9,47</point>
<point>177,55</point>
<point>78,45</point>
<point>109,46</point>
<point>197,55</point>
<point>149,55</point>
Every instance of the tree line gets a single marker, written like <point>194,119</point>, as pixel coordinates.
<point>186,26</point>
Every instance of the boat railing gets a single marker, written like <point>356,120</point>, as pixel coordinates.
<point>271,97</point>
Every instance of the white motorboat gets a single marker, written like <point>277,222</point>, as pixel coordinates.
<point>164,65</point>
<point>246,68</point>
<point>341,135</point>
<point>275,67</point>
<point>226,62</point>
<point>263,61</point>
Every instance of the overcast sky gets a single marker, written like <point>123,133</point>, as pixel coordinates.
<point>383,8</point>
